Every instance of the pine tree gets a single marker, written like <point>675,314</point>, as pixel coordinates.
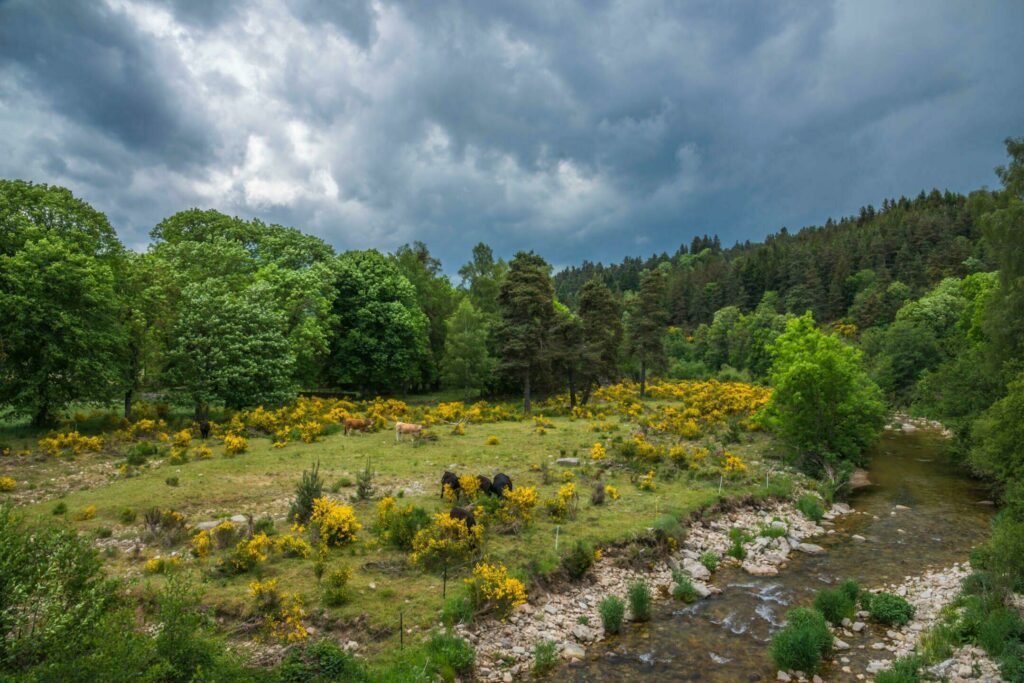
<point>601,318</point>
<point>647,325</point>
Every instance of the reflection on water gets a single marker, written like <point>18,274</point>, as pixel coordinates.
<point>725,638</point>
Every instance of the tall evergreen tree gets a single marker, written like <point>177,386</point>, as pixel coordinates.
<point>526,303</point>
<point>601,319</point>
<point>647,324</point>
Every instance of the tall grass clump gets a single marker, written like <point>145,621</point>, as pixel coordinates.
<point>835,604</point>
<point>612,610</point>
<point>803,642</point>
<point>639,595</point>
<point>810,507</point>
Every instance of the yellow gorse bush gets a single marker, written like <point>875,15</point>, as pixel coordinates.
<point>597,451</point>
<point>491,441</point>
<point>88,512</point>
<point>7,484</point>
<point>70,442</point>
<point>646,482</point>
<point>293,545</point>
<point>516,510</point>
<point>287,626</point>
<point>611,492</point>
<point>249,553</point>
<point>732,464</point>
<point>336,523</point>
<point>446,541</point>
<point>201,544</point>
<point>565,502</point>
<point>182,438</point>
<point>492,589</point>
<point>233,444</point>
<point>161,565</point>
<point>469,485</point>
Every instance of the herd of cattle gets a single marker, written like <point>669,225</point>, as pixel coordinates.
<point>496,487</point>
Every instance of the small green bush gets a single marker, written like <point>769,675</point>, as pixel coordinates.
<point>335,586</point>
<point>171,481</point>
<point>322,661</point>
<point>738,537</point>
<point>103,532</point>
<point>888,609</point>
<point>578,561</point>
<point>612,610</point>
<point>903,670</point>
<point>639,595</point>
<point>834,604</point>
<point>264,525</point>
<point>1002,627</point>
<point>803,642</point>
<point>1011,664</point>
<point>61,508</point>
<point>710,560</point>
<point>683,589</point>
<point>543,657</point>
<point>850,588</point>
<point>773,532</point>
<point>810,507</point>
<point>449,656</point>
<point>128,516</point>
<point>309,488</point>
<point>457,610</point>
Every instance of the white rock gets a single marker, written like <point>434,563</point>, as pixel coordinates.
<point>571,650</point>
<point>783,676</point>
<point>696,570</point>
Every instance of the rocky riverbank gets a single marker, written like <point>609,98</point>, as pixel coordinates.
<point>571,620</point>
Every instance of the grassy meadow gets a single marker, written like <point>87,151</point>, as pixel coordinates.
<point>262,480</point>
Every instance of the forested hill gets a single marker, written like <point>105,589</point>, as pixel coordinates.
<point>828,269</point>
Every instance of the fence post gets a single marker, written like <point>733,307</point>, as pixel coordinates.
<point>401,630</point>
<point>557,529</point>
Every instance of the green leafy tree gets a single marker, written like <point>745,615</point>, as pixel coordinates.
<point>601,317</point>
<point>998,452</point>
<point>466,364</point>
<point>527,309</point>
<point>824,406</point>
<point>566,347</point>
<point>381,340</point>
<point>434,294</point>
<point>482,278</point>
<point>647,323</point>
<point>230,348</point>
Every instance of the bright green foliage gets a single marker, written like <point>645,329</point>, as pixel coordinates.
<point>639,594</point>
<point>544,657</point>
<point>834,604</point>
<point>448,655</point>
<point>999,437</point>
<point>646,325</point>
<point>434,294</point>
<point>683,588</point>
<point>381,340</point>
<point>810,506</point>
<point>803,642</point>
<point>320,662</point>
<point>482,279</point>
<point>230,348</point>
<point>526,302</point>
<point>824,406</point>
<point>903,670</point>
<point>466,365</point>
<point>888,609</point>
<point>612,610</point>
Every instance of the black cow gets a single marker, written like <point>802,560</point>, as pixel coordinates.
<point>485,485</point>
<point>465,515</point>
<point>501,484</point>
<point>204,429</point>
<point>452,480</point>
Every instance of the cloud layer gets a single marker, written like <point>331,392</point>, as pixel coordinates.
<point>586,130</point>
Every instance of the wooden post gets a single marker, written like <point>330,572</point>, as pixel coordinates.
<point>401,631</point>
<point>721,479</point>
<point>444,585</point>
<point>557,529</point>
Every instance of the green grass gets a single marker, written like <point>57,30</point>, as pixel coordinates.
<point>262,481</point>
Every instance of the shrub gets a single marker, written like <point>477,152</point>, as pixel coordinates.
<point>810,507</point>
<point>61,508</point>
<point>598,452</point>
<point>565,503</point>
<point>888,609</point>
<point>293,545</point>
<point>335,586</point>
<point>597,494</point>
<point>612,610</point>
<point>86,513</point>
<point>309,488</point>
<point>683,588</point>
<point>834,604</point>
<point>738,537</point>
<point>516,509</point>
<point>103,532</point>
<point>7,484</point>
<point>201,544</point>
<point>364,482</point>
<point>1011,664</point>
<point>265,595</point>
<point>1002,627</point>
<point>543,657</point>
<point>710,560</point>
<point>578,561</point>
<point>264,525</point>
<point>337,524</point>
<point>903,670</point>
<point>449,656</point>
<point>224,535</point>
<point>128,516</point>
<point>491,441</point>
<point>492,589</point>
<point>773,531</point>
<point>248,554</point>
<point>321,661</point>
<point>639,595</point>
<point>398,525</point>
<point>457,610</point>
<point>171,481</point>
<point>803,642</point>
<point>446,541</point>
<point>850,588</point>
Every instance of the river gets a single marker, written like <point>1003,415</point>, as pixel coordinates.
<point>725,637</point>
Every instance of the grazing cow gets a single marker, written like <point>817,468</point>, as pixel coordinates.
<point>204,429</point>
<point>465,515</point>
<point>354,423</point>
<point>407,428</point>
<point>485,484</point>
<point>451,480</point>
<point>501,484</point>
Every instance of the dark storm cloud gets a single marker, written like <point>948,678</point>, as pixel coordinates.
<point>581,130</point>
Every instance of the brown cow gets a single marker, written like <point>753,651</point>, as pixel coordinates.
<point>354,423</point>
<point>407,428</point>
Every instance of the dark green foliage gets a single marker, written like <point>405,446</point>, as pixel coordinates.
<point>264,525</point>
<point>61,508</point>
<point>803,642</point>
<point>1011,664</point>
<point>364,482</point>
<point>612,610</point>
<point>639,594</point>
<point>646,325</point>
<point>128,516</point>
<point>710,560</point>
<point>903,670</point>
<point>850,589</point>
<point>544,658</point>
<point>834,604</point>
<point>402,527</point>
<point>810,507</point>
<point>138,453</point>
<point>737,537</point>
<point>448,655</point>
<point>1001,627</point>
<point>321,662</point>
<point>309,488</point>
<point>171,481</point>
<point>578,560</point>
<point>887,609</point>
<point>683,588</point>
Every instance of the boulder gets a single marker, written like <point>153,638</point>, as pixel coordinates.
<point>571,650</point>
<point>810,548</point>
<point>582,633</point>
<point>759,569</point>
<point>568,462</point>
<point>696,570</point>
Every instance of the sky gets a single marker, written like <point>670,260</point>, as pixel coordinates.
<point>580,130</point>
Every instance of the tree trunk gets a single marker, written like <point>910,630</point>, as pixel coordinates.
<point>526,393</point>
<point>42,416</point>
<point>585,396</point>
<point>572,389</point>
<point>200,411</point>
<point>643,378</point>
<point>128,404</point>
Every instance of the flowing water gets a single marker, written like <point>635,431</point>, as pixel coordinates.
<point>725,637</point>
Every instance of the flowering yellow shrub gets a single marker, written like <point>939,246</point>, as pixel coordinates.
<point>646,482</point>
<point>543,422</point>
<point>265,594</point>
<point>516,509</point>
<point>337,523</point>
<point>310,431</point>
<point>88,512</point>
<point>201,544</point>
<point>251,552</point>
<point>449,494</point>
<point>732,464</point>
<point>611,492</point>
<point>565,502</point>
<point>287,626</point>
<point>202,452</point>
<point>446,541</point>
<point>70,442</point>
<point>568,475</point>
<point>469,485</point>
<point>597,451</point>
<point>183,437</point>
<point>7,484</point>
<point>492,589</point>
<point>459,429</point>
<point>161,565</point>
<point>233,445</point>
<point>293,545</point>
<point>491,441</point>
